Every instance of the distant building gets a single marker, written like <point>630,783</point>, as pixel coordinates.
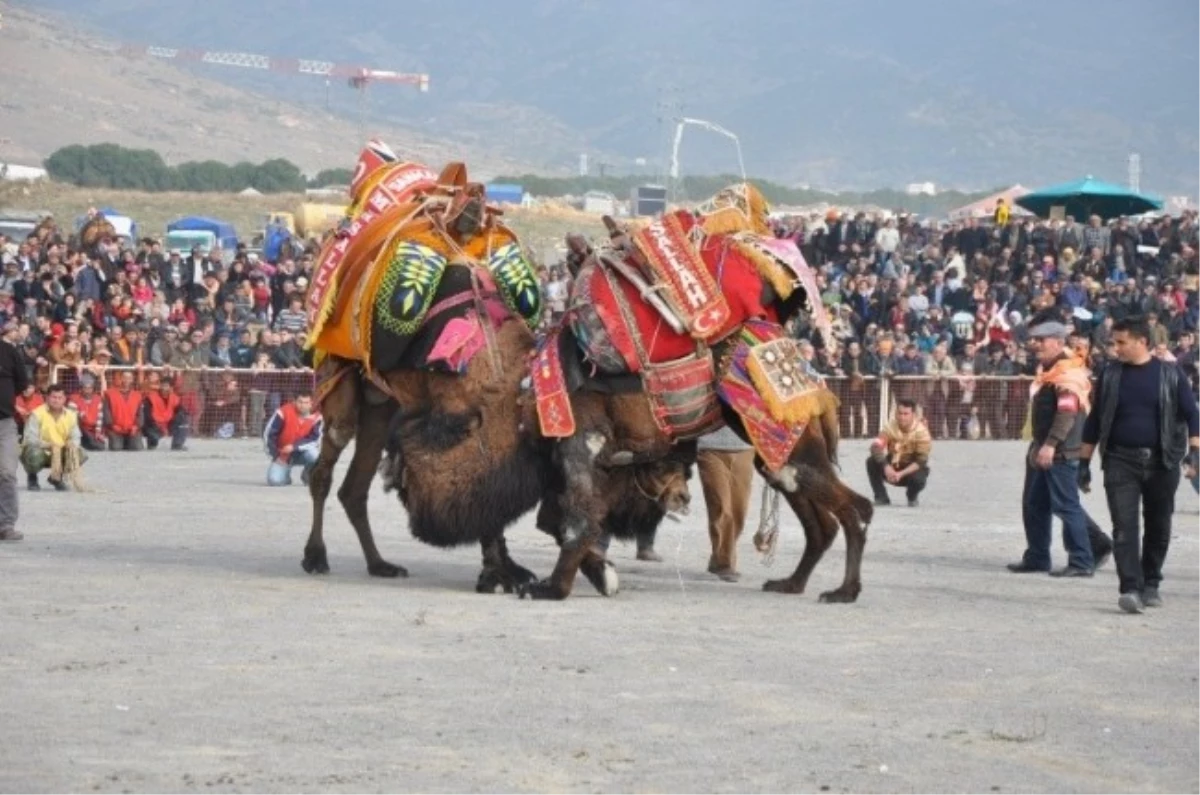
<point>599,202</point>
<point>920,189</point>
<point>15,173</point>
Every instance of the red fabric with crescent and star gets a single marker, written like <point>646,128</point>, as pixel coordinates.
<point>737,277</point>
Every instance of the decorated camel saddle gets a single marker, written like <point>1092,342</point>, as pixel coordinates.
<point>421,273</point>
<point>693,304</point>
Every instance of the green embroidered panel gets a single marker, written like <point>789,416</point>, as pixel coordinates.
<point>407,289</point>
<point>517,282</point>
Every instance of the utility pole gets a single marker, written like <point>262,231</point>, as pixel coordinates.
<point>668,111</point>
<point>1135,172</point>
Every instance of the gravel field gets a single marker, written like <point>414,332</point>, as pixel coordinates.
<point>158,634</point>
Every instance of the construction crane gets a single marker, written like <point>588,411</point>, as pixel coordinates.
<point>357,77</point>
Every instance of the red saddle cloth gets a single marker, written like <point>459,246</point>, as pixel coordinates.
<point>736,276</point>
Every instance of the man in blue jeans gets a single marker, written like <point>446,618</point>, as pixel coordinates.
<point>293,439</point>
<point>1062,391</point>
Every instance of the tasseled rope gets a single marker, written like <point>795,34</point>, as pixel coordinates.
<point>67,462</point>
<point>766,539</point>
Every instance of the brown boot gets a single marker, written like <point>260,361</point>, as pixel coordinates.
<point>11,534</point>
<point>727,574</point>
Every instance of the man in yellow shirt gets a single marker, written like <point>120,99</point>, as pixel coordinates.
<point>52,441</point>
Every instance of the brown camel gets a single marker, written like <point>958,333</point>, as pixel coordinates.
<point>462,466</point>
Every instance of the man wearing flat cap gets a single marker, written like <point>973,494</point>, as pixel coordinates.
<point>1061,394</point>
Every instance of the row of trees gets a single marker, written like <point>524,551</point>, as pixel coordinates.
<point>112,166</point>
<point>701,187</point>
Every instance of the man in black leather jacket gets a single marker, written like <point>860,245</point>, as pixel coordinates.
<point>1144,420</point>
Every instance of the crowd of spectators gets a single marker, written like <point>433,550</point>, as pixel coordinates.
<point>951,302</point>
<point>219,330</point>
<point>947,302</point>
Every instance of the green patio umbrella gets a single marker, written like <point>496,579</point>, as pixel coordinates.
<point>1086,197</point>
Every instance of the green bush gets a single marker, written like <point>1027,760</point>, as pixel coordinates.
<point>112,166</point>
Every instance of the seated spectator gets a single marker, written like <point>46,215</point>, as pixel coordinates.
<point>25,404</point>
<point>900,455</point>
<point>124,411</point>
<point>165,416</point>
<point>293,439</point>
<point>52,442</point>
<point>88,403</point>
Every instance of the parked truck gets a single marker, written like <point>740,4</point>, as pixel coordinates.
<point>205,233</point>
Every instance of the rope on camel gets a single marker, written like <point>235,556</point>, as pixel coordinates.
<point>766,539</point>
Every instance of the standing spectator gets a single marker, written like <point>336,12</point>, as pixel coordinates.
<point>726,467</point>
<point>14,378</point>
<point>1144,421</point>
<point>1052,462</point>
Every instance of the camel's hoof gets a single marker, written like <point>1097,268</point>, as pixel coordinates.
<point>315,562</point>
<point>385,569</point>
<point>519,575</point>
<point>603,577</point>
<point>490,581</point>
<point>840,596</point>
<point>782,586</point>
<point>543,589</point>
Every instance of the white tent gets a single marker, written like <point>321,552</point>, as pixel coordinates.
<point>983,208</point>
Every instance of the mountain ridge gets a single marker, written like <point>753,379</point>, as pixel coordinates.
<point>850,96</point>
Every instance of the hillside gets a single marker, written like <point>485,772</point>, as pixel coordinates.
<point>59,89</point>
<point>839,95</point>
<point>541,230</point>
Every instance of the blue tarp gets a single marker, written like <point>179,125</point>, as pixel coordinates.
<point>195,223</point>
<point>504,192</point>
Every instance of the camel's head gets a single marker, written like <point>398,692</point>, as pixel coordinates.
<point>666,482</point>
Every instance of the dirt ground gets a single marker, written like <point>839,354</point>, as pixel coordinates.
<point>158,634</point>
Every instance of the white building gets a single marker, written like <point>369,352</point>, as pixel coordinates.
<point>16,173</point>
<point>920,189</point>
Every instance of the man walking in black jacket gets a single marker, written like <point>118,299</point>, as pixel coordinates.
<point>1144,420</point>
<point>14,378</point>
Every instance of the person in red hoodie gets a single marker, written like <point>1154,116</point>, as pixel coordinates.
<point>25,404</point>
<point>165,416</point>
<point>292,439</point>
<point>89,405</point>
<point>124,409</point>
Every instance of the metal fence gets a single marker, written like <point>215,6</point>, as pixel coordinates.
<point>230,401</point>
<point>220,402</point>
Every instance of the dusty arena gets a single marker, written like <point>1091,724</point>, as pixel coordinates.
<point>158,634</point>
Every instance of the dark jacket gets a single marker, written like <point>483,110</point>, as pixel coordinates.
<point>1048,421</point>
<point>1173,439</point>
<point>13,378</point>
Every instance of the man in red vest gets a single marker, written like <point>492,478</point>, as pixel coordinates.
<point>89,405</point>
<point>165,416</point>
<point>292,439</point>
<point>123,414</point>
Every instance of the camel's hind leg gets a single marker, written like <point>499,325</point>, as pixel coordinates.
<point>821,502</point>
<point>373,420</point>
<point>820,529</point>
<point>340,412</point>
